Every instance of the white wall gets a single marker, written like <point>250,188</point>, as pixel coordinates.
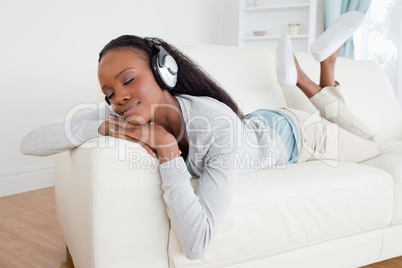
<point>320,17</point>
<point>48,62</point>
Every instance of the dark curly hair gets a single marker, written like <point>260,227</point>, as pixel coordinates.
<point>191,80</point>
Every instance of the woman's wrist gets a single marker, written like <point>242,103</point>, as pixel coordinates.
<point>168,154</point>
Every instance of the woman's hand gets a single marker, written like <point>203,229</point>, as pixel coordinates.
<point>152,137</point>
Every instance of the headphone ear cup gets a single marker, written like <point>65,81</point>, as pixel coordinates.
<point>156,72</point>
<point>165,70</point>
<point>163,65</point>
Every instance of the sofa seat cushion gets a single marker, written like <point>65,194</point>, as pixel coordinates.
<point>390,160</point>
<point>280,209</point>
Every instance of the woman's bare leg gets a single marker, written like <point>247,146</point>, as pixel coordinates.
<point>330,103</point>
<point>327,68</point>
<point>352,141</point>
<point>327,76</point>
<point>306,85</point>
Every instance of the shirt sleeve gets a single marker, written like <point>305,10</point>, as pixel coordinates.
<point>70,133</point>
<point>196,216</point>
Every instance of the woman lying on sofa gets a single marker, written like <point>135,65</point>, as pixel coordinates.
<point>163,101</point>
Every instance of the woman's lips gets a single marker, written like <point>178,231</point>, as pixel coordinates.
<point>129,109</point>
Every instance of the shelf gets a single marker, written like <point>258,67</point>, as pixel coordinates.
<point>273,17</point>
<point>275,8</point>
<point>272,37</point>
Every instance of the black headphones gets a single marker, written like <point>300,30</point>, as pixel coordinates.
<point>163,65</point>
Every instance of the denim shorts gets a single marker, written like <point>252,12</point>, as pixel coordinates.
<point>284,126</point>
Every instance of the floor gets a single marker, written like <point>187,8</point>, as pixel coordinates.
<point>30,236</point>
<point>29,232</point>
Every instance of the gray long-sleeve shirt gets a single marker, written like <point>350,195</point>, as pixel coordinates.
<point>221,145</point>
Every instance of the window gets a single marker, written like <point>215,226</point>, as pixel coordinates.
<point>380,40</point>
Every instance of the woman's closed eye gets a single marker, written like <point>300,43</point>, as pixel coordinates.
<point>128,81</point>
<point>108,94</point>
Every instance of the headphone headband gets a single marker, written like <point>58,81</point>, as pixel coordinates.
<point>151,42</point>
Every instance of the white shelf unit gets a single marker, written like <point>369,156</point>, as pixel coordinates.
<point>274,17</point>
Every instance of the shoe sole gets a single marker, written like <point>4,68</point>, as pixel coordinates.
<point>336,35</point>
<point>285,64</point>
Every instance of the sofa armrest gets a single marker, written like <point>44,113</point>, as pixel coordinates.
<point>110,205</point>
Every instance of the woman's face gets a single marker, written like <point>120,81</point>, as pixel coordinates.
<point>127,80</point>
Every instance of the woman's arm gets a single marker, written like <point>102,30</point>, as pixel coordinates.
<point>65,135</point>
<point>197,216</point>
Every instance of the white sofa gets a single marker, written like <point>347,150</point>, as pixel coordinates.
<point>315,214</point>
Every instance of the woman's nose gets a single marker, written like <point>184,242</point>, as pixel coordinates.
<point>122,97</point>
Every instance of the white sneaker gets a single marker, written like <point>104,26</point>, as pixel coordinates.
<point>336,35</point>
<point>285,63</point>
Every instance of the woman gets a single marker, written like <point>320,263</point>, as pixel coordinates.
<point>161,100</point>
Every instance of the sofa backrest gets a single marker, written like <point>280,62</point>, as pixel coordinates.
<point>366,89</point>
<point>249,75</point>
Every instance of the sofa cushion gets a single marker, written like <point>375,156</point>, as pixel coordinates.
<point>277,210</point>
<point>248,74</point>
<point>390,160</point>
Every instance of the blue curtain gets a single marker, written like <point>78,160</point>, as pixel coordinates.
<point>335,8</point>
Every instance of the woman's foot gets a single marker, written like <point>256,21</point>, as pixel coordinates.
<point>289,73</point>
<point>336,35</point>
<point>327,76</point>
<point>285,64</point>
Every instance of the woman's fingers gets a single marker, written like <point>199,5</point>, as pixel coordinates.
<point>128,127</point>
<point>117,134</point>
<point>149,149</point>
<point>104,128</point>
<point>118,121</point>
<point>137,132</point>
<point>118,128</point>
<point>152,134</point>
